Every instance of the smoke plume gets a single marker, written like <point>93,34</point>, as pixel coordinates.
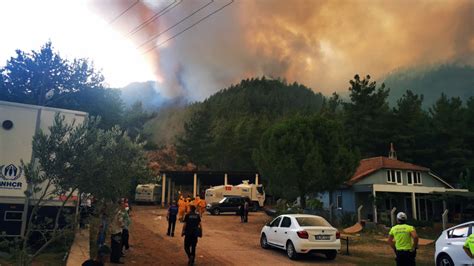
<point>321,44</point>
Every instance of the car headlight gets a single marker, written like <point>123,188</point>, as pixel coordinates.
<point>208,205</point>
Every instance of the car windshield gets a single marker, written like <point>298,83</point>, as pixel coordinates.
<point>311,221</point>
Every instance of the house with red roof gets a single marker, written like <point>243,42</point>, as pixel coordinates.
<point>382,183</point>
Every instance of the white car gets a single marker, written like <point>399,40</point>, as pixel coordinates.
<point>301,234</point>
<point>449,246</point>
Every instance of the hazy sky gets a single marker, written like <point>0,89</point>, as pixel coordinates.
<point>321,44</point>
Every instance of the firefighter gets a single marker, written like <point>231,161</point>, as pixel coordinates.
<point>188,204</point>
<point>202,206</point>
<point>181,208</point>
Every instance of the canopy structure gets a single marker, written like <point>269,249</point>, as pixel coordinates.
<point>198,179</point>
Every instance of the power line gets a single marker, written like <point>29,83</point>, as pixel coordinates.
<point>194,24</point>
<point>123,12</point>
<point>155,16</point>
<point>176,24</point>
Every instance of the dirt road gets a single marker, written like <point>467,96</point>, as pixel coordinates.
<point>225,241</point>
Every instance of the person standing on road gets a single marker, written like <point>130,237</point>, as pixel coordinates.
<point>116,236</point>
<point>192,229</point>
<point>126,223</point>
<point>171,217</point>
<point>181,208</point>
<point>404,247</point>
<point>202,207</point>
<point>469,246</point>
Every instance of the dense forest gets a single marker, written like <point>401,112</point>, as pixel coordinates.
<point>224,131</point>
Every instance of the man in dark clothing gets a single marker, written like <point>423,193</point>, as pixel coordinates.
<point>171,217</point>
<point>192,229</point>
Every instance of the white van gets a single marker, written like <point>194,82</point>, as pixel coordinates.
<point>148,193</point>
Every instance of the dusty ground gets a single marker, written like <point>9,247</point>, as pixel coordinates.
<point>228,242</point>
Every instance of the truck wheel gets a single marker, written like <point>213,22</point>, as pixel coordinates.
<point>255,206</point>
<point>216,211</point>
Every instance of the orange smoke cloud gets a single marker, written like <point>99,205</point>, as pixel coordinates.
<point>321,44</point>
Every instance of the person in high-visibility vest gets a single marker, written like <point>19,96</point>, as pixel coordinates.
<point>469,246</point>
<point>181,208</point>
<point>406,241</point>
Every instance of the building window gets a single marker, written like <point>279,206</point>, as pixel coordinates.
<point>13,216</point>
<point>417,178</point>
<point>410,178</point>
<point>339,202</point>
<point>394,177</point>
<point>399,177</point>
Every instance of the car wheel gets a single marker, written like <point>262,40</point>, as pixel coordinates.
<point>291,251</point>
<point>331,254</point>
<point>264,242</point>
<point>216,211</point>
<point>444,260</point>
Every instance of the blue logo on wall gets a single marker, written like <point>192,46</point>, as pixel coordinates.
<point>10,172</point>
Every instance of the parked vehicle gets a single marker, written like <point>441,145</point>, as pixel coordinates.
<point>254,192</point>
<point>301,234</point>
<point>449,245</point>
<point>148,193</point>
<point>18,125</point>
<point>227,204</point>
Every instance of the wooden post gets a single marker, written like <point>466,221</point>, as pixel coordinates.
<point>168,197</point>
<point>413,205</point>
<point>194,185</point>
<point>359,210</point>
<point>445,218</point>
<point>375,207</point>
<point>163,190</point>
<point>392,216</point>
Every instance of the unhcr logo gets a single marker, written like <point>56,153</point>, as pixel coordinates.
<point>10,173</point>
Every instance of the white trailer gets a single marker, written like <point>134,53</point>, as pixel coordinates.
<point>254,192</point>
<point>148,193</point>
<point>18,125</point>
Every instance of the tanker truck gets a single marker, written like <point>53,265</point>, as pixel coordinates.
<point>254,192</point>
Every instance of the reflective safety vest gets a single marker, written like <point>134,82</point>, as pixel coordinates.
<point>402,235</point>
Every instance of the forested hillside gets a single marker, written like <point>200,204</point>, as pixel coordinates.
<point>450,79</point>
<point>224,130</point>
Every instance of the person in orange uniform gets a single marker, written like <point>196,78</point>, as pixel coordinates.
<point>181,208</point>
<point>202,206</point>
<point>188,204</point>
<point>196,202</point>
